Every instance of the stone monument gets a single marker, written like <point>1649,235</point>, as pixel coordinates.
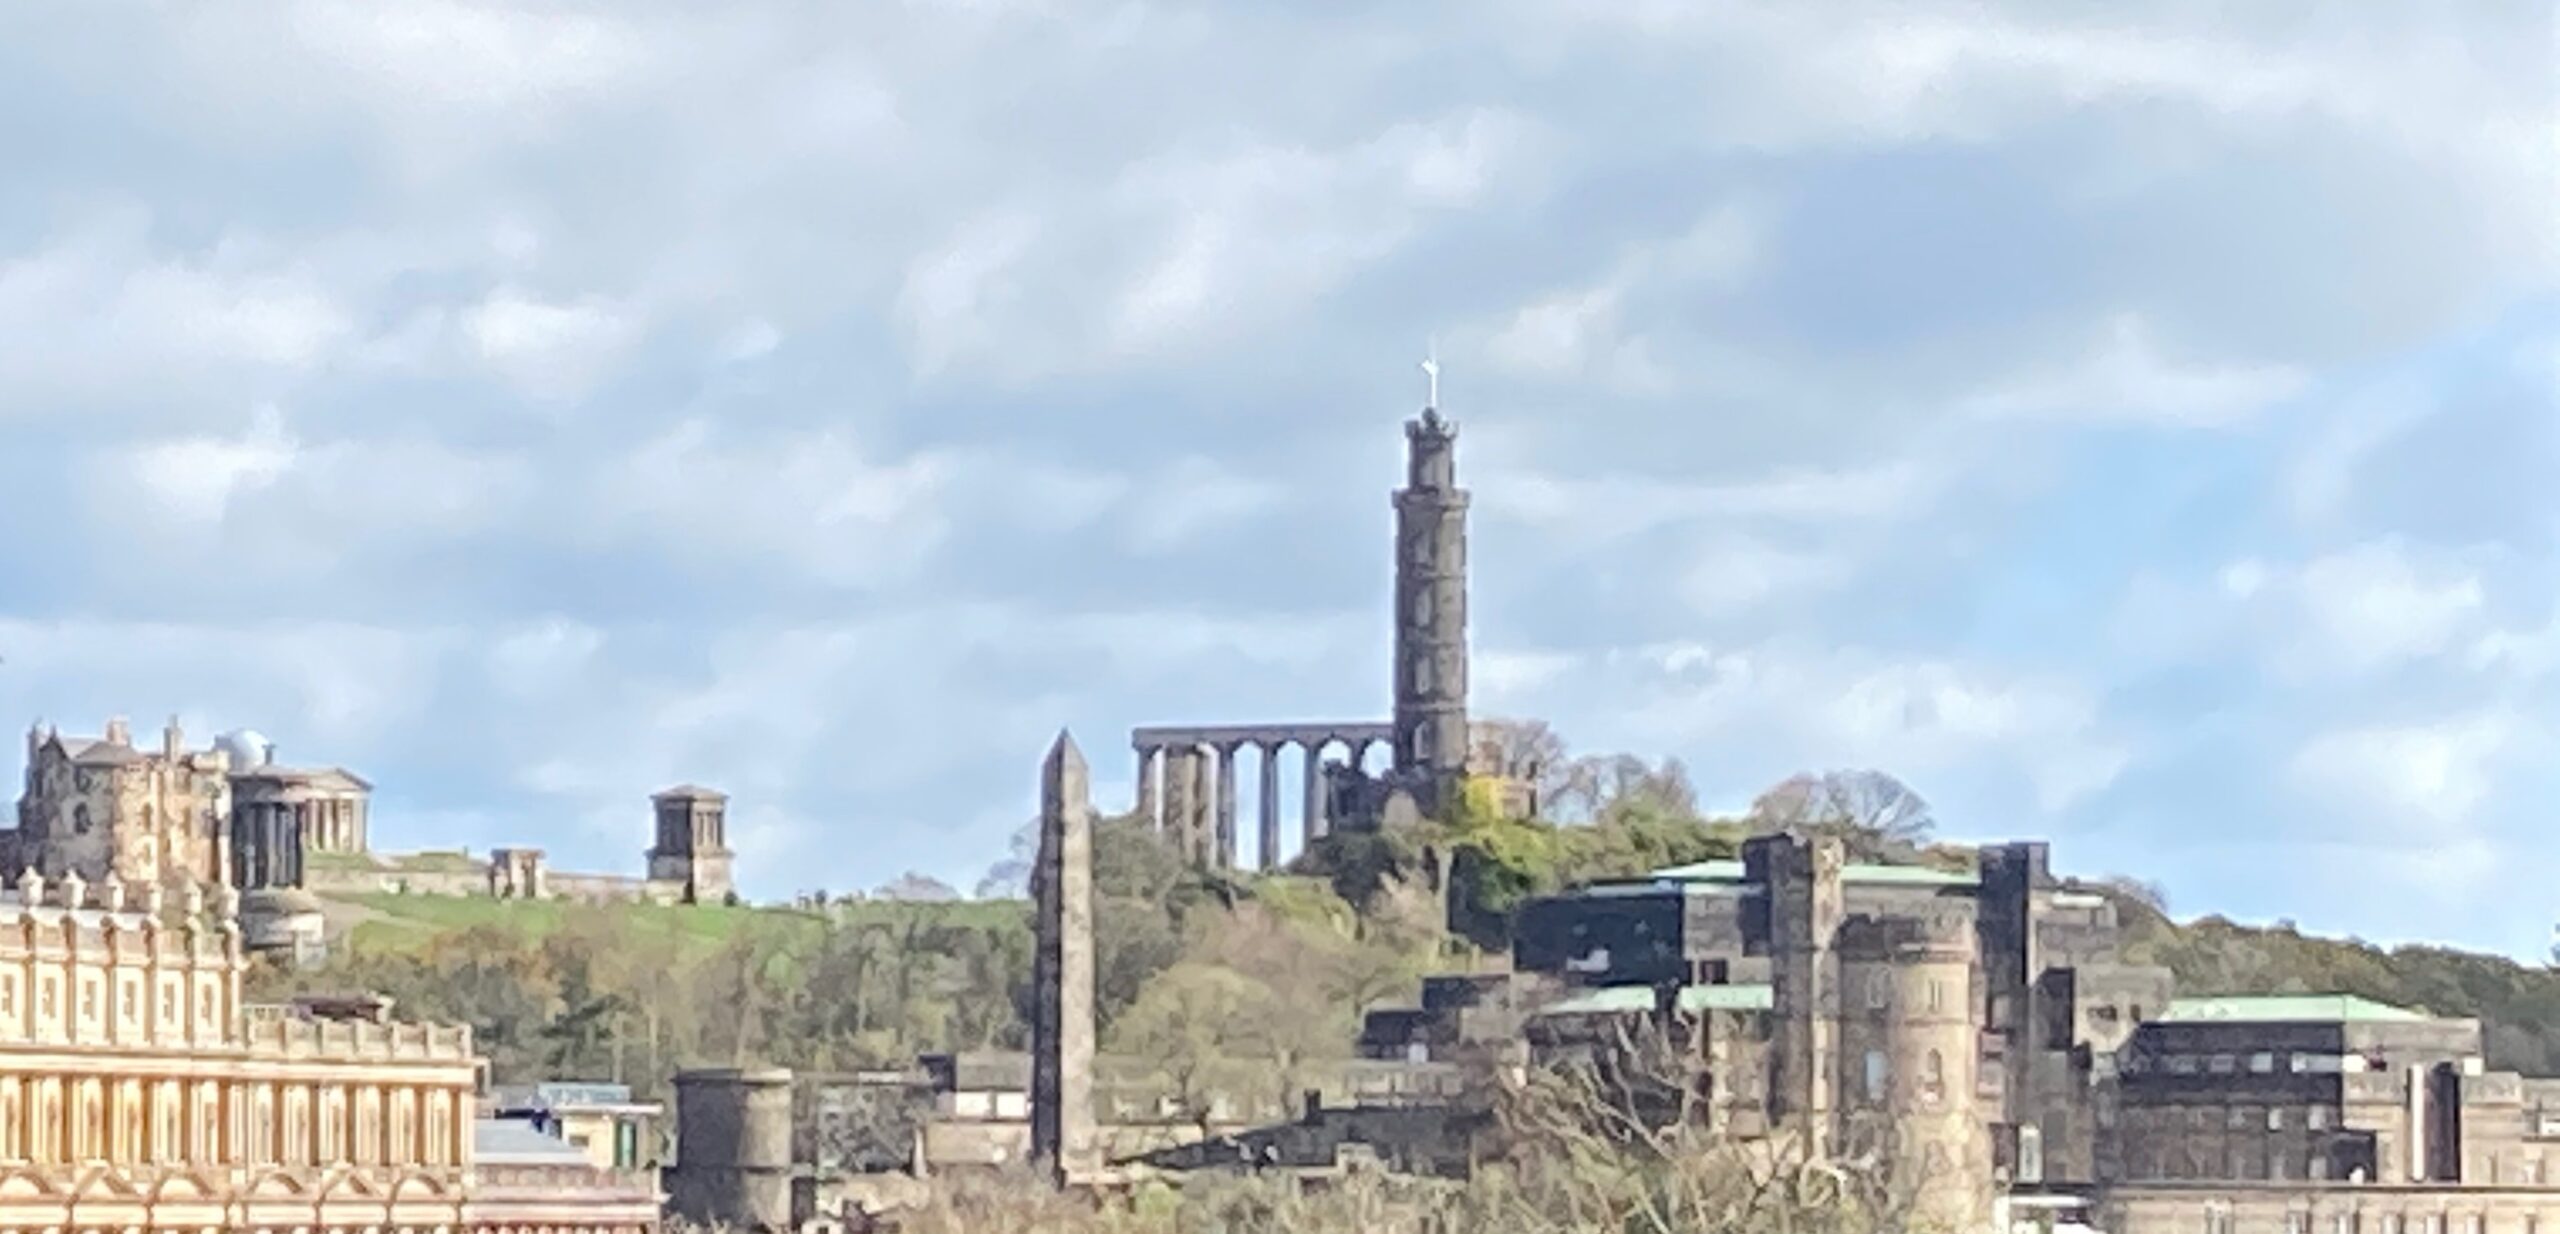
<point>1063,1142</point>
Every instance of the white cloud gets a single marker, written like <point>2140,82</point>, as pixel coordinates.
<point>814,503</point>
<point>2127,377</point>
<point>2436,772</point>
<point>550,350</point>
<point>194,480</point>
<point>2364,608</point>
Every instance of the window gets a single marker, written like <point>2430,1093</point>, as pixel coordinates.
<point>2342,1223</point>
<point>2237,1118</point>
<point>2224,1064</point>
<point>1877,1075</point>
<point>1879,990</point>
<point>2319,1171</point>
<point>2391,1223</point>
<point>2297,1222</point>
<point>2319,1118</point>
<point>2275,1120</point>
<point>2263,1063</point>
<point>2217,1217</point>
<point>1937,996</point>
<point>2030,1154</point>
<point>49,1005</point>
<point>1933,1078</point>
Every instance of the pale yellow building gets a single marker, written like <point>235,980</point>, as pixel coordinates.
<point>138,1093</point>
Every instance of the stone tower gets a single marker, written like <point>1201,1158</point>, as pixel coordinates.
<point>733,1150</point>
<point>1431,615</point>
<point>1802,877</point>
<point>692,848</point>
<point>1063,1140</point>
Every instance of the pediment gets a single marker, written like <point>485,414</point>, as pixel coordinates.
<point>105,1183</point>
<point>188,1185</point>
<point>279,1185</point>
<point>23,1183</point>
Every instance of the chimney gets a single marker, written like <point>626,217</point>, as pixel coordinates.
<point>119,733</point>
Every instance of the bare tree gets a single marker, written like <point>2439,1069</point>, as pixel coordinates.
<point>1878,815</point>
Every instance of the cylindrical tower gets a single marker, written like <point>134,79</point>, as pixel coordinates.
<point>1431,614</point>
<point>733,1150</point>
<point>1939,1156</point>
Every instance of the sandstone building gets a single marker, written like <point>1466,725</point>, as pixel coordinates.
<point>140,1093</point>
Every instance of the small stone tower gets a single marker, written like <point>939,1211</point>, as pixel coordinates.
<point>1431,735</point>
<point>733,1165</point>
<point>692,850</point>
<point>1063,1139</point>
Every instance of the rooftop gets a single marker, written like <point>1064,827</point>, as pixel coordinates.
<point>1878,875</point>
<point>1623,999</point>
<point>2290,1009</point>
<point>508,1141</point>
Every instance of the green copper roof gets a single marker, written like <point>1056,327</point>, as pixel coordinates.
<point>1907,876</point>
<point>2290,1009</point>
<point>1622,999</point>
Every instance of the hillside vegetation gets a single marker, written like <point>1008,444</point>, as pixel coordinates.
<point>1204,972</point>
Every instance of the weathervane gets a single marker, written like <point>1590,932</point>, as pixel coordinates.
<point>1431,370</point>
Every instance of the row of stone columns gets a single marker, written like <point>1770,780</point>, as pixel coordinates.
<point>1195,800</point>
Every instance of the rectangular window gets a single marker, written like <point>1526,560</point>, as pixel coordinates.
<point>2225,1064</point>
<point>2275,1120</point>
<point>2318,1118</point>
<point>2262,1063</point>
<point>1876,1075</point>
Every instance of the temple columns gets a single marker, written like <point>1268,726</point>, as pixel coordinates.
<point>1311,822</point>
<point>1225,856</point>
<point>1269,821</point>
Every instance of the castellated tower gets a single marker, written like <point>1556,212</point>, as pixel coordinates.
<point>1431,742</point>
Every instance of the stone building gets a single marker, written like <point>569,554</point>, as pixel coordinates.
<point>1187,781</point>
<point>100,806</point>
<point>1978,1028</point>
<point>280,816</point>
<point>692,849</point>
<point>138,1091</point>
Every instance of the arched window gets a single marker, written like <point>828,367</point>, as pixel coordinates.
<point>1933,1078</point>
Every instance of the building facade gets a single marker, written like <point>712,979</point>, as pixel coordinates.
<point>692,849</point>
<point>100,807</point>
<point>1978,1030</point>
<point>138,1092</point>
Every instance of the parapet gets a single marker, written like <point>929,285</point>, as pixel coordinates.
<point>74,910</point>
<point>291,1033</point>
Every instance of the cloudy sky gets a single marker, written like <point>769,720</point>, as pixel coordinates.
<point>2130,423</point>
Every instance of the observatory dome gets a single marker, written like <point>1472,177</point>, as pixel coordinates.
<point>247,747</point>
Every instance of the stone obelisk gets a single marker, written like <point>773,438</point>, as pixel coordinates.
<point>1063,1142</point>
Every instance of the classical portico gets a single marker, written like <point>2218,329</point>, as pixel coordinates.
<point>1187,781</point>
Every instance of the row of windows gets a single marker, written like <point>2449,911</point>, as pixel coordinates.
<point>2217,1220</point>
<point>91,1008</point>
<point>2237,1117</point>
<point>50,1119</point>
<point>2264,1062</point>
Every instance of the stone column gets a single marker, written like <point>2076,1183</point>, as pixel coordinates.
<point>1146,793</point>
<point>1311,809</point>
<point>1269,821</point>
<point>1063,1140</point>
<point>1224,855</point>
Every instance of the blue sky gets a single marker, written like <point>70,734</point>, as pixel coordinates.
<point>2130,424</point>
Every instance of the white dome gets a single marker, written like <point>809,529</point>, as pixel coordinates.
<point>247,748</point>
